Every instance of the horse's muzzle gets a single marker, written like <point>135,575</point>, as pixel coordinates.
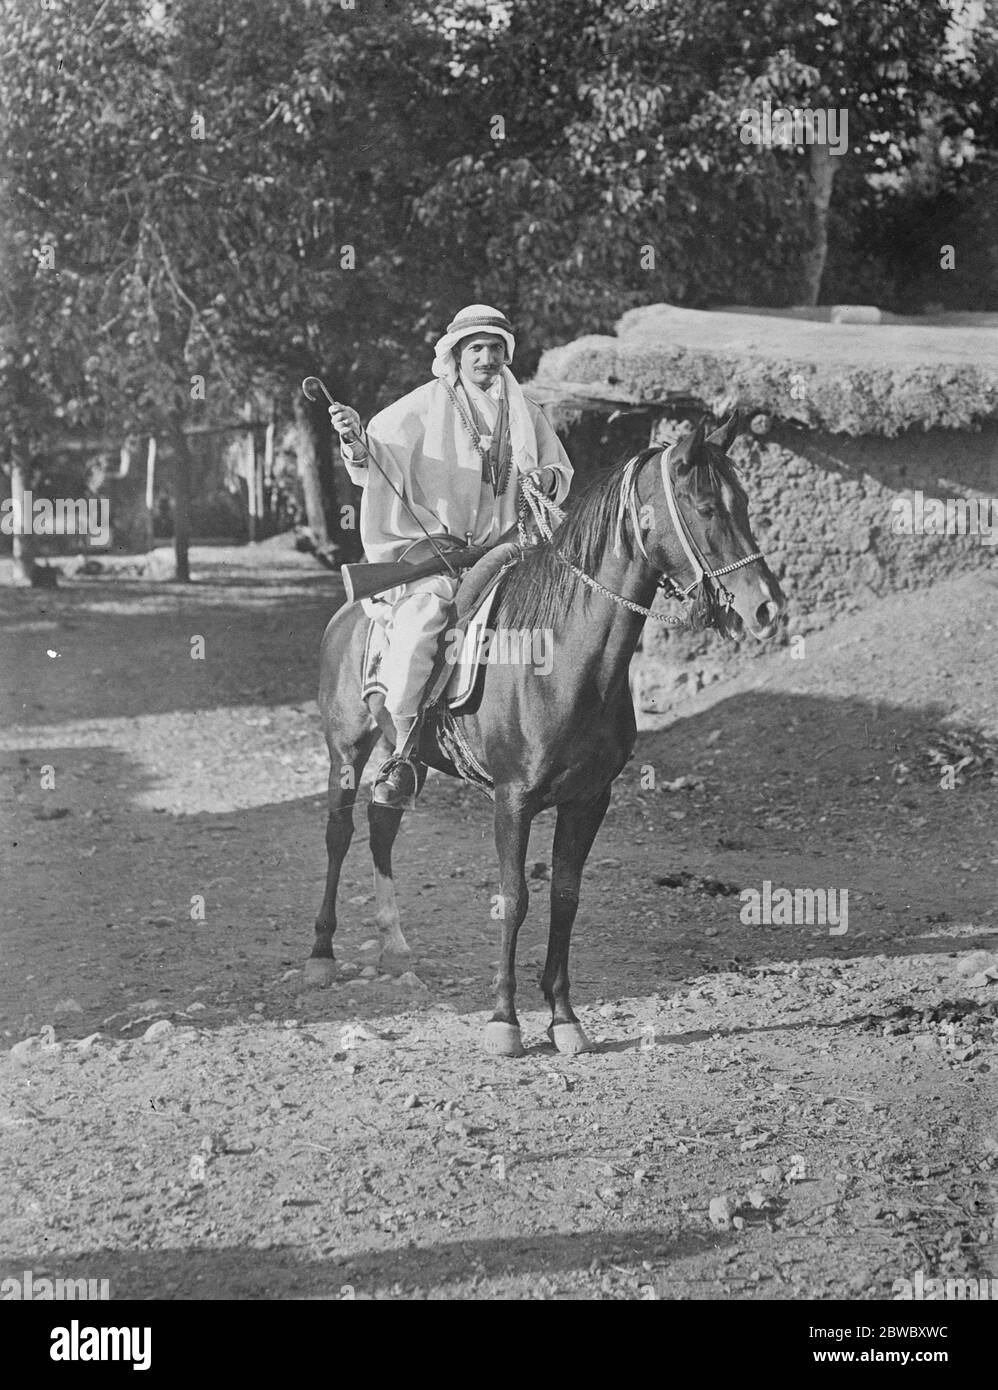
<point>766,620</point>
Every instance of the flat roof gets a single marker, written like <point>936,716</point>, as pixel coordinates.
<point>840,377</point>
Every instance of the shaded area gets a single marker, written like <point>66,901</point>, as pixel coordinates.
<point>796,790</point>
<point>124,648</point>
<point>284,1272</point>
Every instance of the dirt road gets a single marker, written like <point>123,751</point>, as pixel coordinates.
<point>773,1111</point>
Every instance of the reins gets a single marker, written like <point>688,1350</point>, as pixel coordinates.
<point>546,516</point>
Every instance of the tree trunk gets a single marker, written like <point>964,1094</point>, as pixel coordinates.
<point>267,468</point>
<point>823,167</point>
<point>24,541</point>
<point>252,501</point>
<point>251,470</point>
<point>182,505</point>
<point>308,471</point>
<point>150,493</point>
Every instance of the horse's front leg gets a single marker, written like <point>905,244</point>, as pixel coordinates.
<point>575,830</point>
<point>384,824</point>
<point>512,831</point>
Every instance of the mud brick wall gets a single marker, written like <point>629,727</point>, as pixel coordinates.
<point>821,511</point>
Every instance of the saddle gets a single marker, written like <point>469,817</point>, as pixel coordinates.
<point>458,668</point>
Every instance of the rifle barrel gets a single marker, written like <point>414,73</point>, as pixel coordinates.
<point>365,580</point>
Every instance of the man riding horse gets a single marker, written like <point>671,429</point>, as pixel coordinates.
<point>455,450</point>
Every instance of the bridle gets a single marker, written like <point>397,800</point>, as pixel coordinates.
<point>703,575</point>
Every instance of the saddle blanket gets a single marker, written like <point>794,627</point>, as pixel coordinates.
<point>461,684</point>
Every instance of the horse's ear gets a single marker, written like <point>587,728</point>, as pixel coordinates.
<point>691,449</point>
<point>726,435</point>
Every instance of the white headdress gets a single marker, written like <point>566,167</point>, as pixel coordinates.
<point>476,318</point>
<point>482,318</point>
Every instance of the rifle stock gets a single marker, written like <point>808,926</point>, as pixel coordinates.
<point>365,580</point>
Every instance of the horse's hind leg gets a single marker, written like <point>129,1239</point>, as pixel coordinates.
<point>346,764</point>
<point>575,830</point>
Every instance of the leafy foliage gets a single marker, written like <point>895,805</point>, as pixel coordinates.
<point>366,169</point>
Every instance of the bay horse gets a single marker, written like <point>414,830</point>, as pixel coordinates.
<point>557,739</point>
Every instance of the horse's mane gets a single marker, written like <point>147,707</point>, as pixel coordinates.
<point>539,591</point>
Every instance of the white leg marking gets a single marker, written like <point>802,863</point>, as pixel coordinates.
<point>386,915</point>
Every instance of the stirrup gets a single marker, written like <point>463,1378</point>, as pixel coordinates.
<point>390,784</point>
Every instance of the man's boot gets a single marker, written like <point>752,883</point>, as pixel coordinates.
<point>397,780</point>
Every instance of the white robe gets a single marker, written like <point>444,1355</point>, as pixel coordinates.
<point>424,447</point>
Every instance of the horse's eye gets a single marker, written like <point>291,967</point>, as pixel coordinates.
<point>708,512</point>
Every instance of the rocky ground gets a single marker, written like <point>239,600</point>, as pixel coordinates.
<point>772,1111</point>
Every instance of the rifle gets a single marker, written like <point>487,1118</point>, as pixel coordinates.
<point>364,580</point>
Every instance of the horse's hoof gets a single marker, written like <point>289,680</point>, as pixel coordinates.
<point>395,962</point>
<point>569,1038</point>
<point>320,973</point>
<point>503,1039</point>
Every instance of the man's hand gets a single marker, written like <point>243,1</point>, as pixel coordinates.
<point>544,479</point>
<point>346,423</point>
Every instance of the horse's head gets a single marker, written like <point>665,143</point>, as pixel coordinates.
<point>701,538</point>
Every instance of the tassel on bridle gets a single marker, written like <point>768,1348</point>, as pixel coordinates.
<point>706,607</point>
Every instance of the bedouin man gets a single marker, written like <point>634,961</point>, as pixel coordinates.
<point>455,449</point>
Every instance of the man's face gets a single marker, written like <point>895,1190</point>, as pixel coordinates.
<point>481,357</point>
